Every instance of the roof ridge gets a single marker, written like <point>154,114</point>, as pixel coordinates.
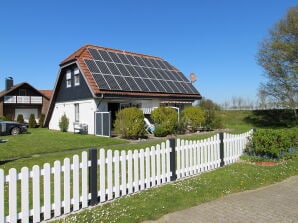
<point>123,51</point>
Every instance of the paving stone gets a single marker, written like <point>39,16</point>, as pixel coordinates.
<point>274,203</point>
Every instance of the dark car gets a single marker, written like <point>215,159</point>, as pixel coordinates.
<point>13,128</point>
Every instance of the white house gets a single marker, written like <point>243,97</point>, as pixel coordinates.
<point>95,82</point>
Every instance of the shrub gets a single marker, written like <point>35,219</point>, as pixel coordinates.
<point>32,121</point>
<point>193,116</point>
<point>167,117</point>
<point>9,117</point>
<point>161,131</point>
<point>64,123</point>
<point>20,118</point>
<point>41,120</point>
<point>130,123</point>
<point>212,120</point>
<point>271,144</point>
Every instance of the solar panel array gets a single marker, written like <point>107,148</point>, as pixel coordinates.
<point>125,72</point>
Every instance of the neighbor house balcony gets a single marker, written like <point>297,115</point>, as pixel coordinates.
<point>22,99</point>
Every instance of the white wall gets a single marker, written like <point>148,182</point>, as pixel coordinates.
<point>86,108</point>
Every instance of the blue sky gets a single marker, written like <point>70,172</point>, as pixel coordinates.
<point>216,40</point>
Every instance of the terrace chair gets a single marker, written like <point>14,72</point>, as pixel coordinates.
<point>149,126</point>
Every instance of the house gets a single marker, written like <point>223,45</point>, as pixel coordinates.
<point>23,99</point>
<point>95,82</point>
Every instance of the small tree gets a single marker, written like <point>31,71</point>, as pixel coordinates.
<point>130,123</point>
<point>278,56</point>
<point>41,120</point>
<point>211,109</point>
<point>193,116</point>
<point>20,118</point>
<point>32,121</point>
<point>64,123</point>
<point>165,117</point>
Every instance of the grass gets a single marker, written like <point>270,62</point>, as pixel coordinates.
<point>153,203</point>
<point>40,141</point>
<point>236,120</point>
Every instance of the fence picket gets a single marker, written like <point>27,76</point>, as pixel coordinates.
<point>102,175</point>
<point>179,158</point>
<point>2,181</point>
<point>158,165</point>
<point>129,172</point>
<point>84,179</point>
<point>147,158</point>
<point>116,174</point>
<point>168,150</point>
<point>76,183</point>
<point>25,194</point>
<point>136,170</point>
<point>12,195</point>
<point>57,189</point>
<point>163,163</point>
<point>47,191</point>
<point>142,170</point>
<point>123,173</point>
<point>110,174</point>
<point>153,166</point>
<point>66,185</point>
<point>36,193</point>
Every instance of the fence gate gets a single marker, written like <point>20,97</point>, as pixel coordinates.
<point>103,124</point>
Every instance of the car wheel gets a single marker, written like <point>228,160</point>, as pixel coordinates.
<point>15,131</point>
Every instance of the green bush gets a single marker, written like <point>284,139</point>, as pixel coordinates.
<point>8,117</point>
<point>161,131</point>
<point>32,121</point>
<point>272,144</point>
<point>41,120</point>
<point>212,119</point>
<point>130,123</point>
<point>166,117</point>
<point>64,123</point>
<point>20,118</point>
<point>193,116</point>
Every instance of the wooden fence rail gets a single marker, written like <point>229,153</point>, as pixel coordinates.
<point>44,193</point>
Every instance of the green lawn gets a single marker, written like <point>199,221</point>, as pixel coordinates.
<point>40,141</point>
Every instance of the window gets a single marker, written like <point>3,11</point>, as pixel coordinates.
<point>68,78</point>
<point>76,77</point>
<point>77,112</point>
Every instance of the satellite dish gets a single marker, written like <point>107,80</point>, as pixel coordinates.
<point>193,77</point>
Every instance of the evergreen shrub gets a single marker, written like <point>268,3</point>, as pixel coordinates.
<point>130,123</point>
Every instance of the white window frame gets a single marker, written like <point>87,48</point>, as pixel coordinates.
<point>76,77</point>
<point>77,112</point>
<point>68,78</point>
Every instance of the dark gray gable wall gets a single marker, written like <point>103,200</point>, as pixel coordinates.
<point>72,93</point>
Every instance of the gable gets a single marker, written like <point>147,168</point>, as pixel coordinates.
<point>72,91</point>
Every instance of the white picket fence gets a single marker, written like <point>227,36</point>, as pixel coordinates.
<point>41,194</point>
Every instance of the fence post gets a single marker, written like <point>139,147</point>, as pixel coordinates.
<point>173,159</point>
<point>221,149</point>
<point>93,176</point>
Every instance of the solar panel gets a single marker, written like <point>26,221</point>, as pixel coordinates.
<point>92,66</point>
<point>105,56</point>
<point>123,58</point>
<point>95,54</point>
<point>121,71</point>
<point>114,57</point>
<point>103,67</point>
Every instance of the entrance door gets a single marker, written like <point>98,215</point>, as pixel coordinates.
<point>113,108</point>
<point>103,124</point>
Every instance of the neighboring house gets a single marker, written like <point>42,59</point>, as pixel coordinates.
<point>95,82</point>
<point>23,99</point>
